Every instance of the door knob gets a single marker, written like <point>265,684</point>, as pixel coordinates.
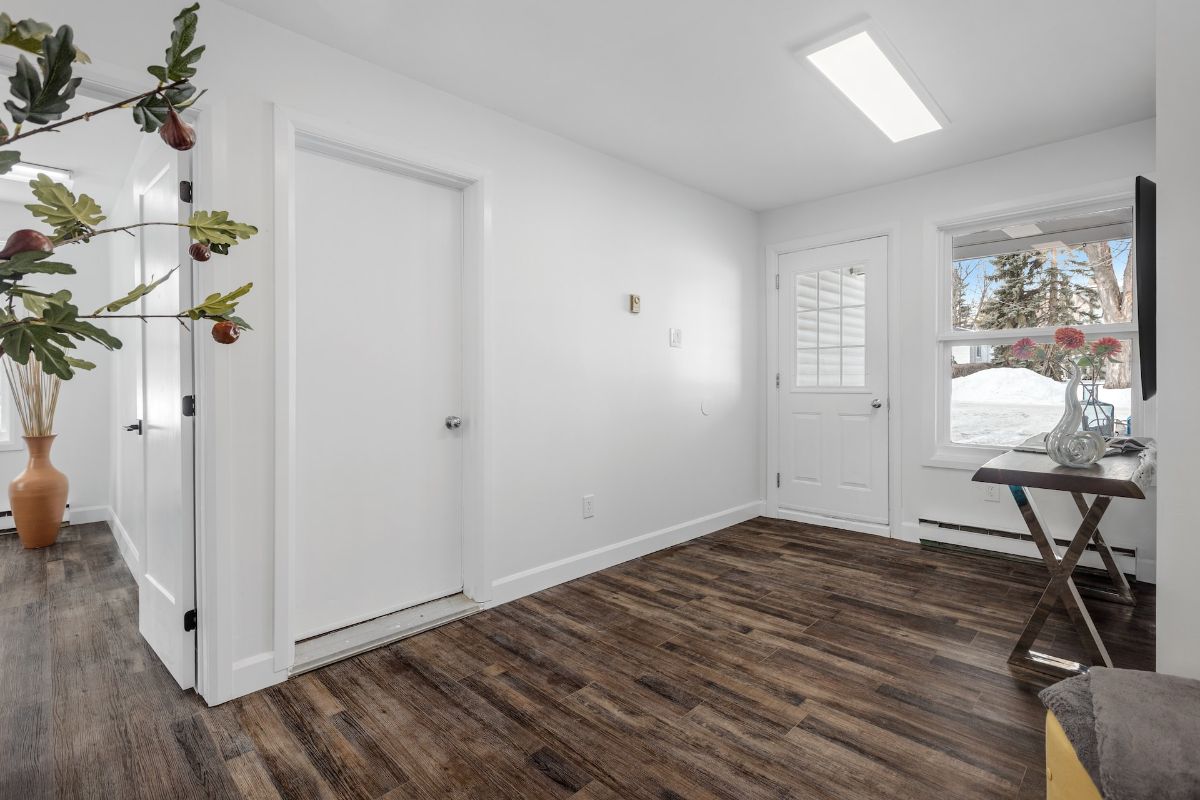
<point>876,403</point>
<point>137,426</point>
<point>453,422</point>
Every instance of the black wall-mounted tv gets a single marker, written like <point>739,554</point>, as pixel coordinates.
<point>1144,236</point>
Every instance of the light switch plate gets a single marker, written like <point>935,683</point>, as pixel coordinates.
<point>676,337</point>
<point>589,506</point>
<point>635,304</point>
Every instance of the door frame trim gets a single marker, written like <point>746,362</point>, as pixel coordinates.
<point>292,131</point>
<point>771,361</point>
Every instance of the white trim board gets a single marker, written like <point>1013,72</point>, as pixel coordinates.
<point>253,673</point>
<point>526,582</point>
<point>125,544</point>
<point>294,131</point>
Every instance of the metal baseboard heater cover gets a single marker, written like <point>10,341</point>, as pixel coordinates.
<point>1129,552</point>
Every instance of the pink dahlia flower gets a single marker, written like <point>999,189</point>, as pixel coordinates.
<point>1023,348</point>
<point>1106,347</point>
<point>1069,338</point>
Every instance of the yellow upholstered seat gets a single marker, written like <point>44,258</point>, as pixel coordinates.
<point>1066,778</point>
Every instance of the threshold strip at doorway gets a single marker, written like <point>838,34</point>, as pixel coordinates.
<point>327,648</point>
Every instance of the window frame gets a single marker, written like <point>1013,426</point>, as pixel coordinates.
<point>945,452</point>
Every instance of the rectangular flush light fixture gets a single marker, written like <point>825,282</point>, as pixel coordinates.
<point>866,68</point>
<point>24,172</point>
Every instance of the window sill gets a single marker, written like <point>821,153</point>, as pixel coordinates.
<point>962,456</point>
<point>7,446</point>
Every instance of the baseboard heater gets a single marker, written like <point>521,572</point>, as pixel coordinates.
<point>933,544</point>
<point>7,525</point>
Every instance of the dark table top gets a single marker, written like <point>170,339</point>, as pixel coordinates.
<point>1126,475</point>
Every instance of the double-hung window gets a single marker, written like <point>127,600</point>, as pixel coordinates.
<point>1006,280</point>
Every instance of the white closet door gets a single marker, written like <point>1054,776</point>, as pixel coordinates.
<point>378,371</point>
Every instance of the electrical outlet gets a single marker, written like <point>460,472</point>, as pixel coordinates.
<point>589,506</point>
<point>676,337</point>
<point>991,492</point>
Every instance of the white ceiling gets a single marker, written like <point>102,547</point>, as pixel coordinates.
<point>707,92</point>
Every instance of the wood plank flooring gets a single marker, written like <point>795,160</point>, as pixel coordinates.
<point>770,659</point>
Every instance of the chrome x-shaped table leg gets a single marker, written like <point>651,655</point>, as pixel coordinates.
<point>1061,588</point>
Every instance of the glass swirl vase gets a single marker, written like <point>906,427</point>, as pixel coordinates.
<point>1067,444</point>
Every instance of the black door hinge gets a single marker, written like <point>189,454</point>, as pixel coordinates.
<point>189,621</point>
<point>185,191</point>
<point>777,480</point>
<point>189,405</point>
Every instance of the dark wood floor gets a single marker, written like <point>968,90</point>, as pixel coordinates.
<point>767,660</point>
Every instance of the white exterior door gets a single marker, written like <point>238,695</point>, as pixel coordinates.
<point>379,369</point>
<point>167,585</point>
<point>833,406</point>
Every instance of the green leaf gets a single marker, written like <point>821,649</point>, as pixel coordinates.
<point>79,363</point>
<point>8,158</point>
<point>215,227</point>
<point>221,306</point>
<point>180,60</point>
<point>45,92</point>
<point>137,293</point>
<point>36,302</point>
<point>28,34</point>
<point>33,261</point>
<point>70,217</point>
<point>151,112</point>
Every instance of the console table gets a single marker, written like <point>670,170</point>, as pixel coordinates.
<point>1126,475</point>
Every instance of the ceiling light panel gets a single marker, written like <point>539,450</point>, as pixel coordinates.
<point>25,172</point>
<point>870,73</point>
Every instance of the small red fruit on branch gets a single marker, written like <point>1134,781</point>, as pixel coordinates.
<point>199,251</point>
<point>226,332</point>
<point>177,133</point>
<point>24,240</point>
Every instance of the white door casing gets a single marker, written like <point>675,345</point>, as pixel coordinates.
<point>166,585</point>
<point>378,285</point>
<point>832,362</point>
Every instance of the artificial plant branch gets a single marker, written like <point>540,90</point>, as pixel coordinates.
<point>126,228</point>
<point>17,134</point>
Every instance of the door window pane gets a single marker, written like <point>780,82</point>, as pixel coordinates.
<point>806,292</point>
<point>806,367</point>
<point>830,334</point>
<point>831,366</point>
<point>854,366</point>
<point>854,326</point>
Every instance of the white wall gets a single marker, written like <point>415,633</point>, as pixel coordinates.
<point>81,423</point>
<point>1178,379</point>
<point>912,207</point>
<point>586,397</point>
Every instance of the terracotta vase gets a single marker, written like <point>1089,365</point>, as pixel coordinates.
<point>38,496</point>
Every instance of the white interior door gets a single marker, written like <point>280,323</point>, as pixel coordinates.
<point>166,589</point>
<point>378,320</point>
<point>833,407</point>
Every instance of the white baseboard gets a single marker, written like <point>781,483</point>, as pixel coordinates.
<point>83,514</point>
<point>125,544</point>
<point>255,672</point>
<point>1142,568</point>
<point>542,577</point>
<point>858,526</point>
